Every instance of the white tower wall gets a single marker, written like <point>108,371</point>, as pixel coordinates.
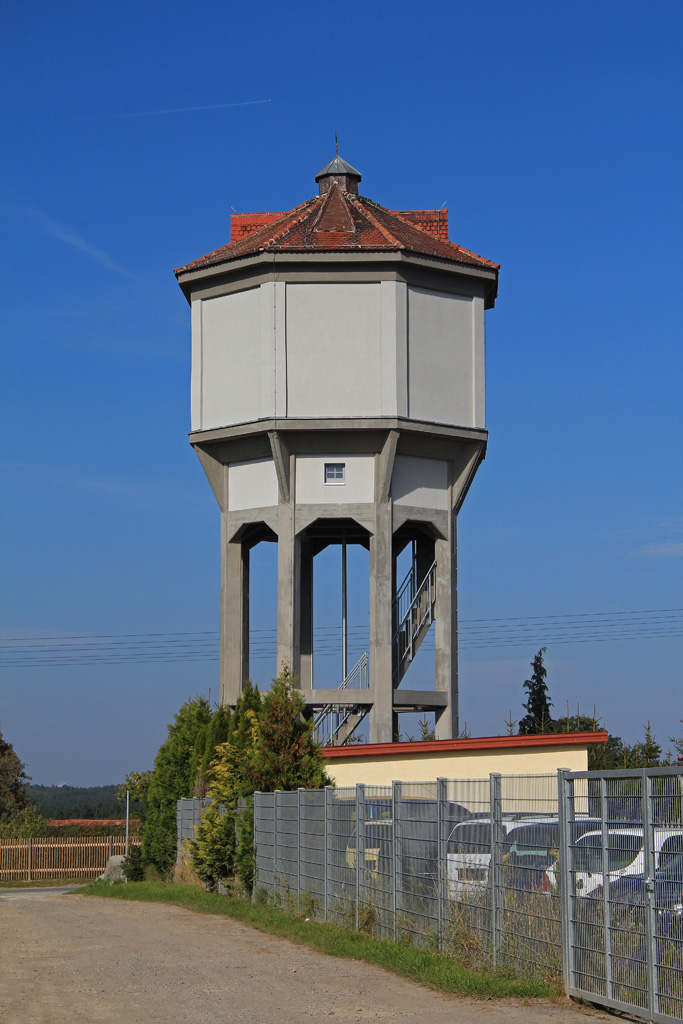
<point>315,349</point>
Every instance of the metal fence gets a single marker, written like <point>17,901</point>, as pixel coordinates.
<point>622,890</point>
<point>423,862</point>
<point>578,874</point>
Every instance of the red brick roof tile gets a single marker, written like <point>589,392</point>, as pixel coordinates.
<point>342,222</point>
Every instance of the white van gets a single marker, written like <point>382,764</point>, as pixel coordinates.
<point>625,856</point>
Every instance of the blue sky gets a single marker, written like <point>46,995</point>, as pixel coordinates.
<point>553,135</point>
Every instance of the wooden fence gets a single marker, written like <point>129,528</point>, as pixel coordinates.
<point>28,860</point>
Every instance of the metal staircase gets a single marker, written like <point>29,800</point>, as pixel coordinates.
<point>335,724</point>
<point>414,613</point>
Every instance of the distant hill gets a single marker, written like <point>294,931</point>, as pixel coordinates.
<point>79,801</point>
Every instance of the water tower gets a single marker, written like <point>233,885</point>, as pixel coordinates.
<point>338,398</point>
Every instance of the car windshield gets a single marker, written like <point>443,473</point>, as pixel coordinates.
<point>622,850</point>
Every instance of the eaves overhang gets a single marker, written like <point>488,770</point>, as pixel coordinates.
<point>268,260</point>
<point>470,743</point>
<point>287,424</point>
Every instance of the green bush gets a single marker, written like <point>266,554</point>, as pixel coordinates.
<point>133,868</point>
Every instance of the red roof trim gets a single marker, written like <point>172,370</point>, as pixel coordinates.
<point>568,739</point>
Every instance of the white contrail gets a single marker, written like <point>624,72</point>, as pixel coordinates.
<point>180,110</point>
<point>70,237</point>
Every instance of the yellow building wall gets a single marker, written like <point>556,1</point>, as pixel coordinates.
<point>465,764</point>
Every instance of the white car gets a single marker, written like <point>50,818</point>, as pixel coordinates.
<point>468,850</point>
<point>625,856</point>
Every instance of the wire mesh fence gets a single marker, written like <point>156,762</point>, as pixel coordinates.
<point>578,874</point>
<point>622,888</point>
<point>442,863</point>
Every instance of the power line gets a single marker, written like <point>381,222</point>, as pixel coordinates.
<point>186,646</point>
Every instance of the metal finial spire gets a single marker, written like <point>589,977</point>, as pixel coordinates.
<point>336,144</point>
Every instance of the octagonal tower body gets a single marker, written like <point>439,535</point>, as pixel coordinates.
<point>338,392</point>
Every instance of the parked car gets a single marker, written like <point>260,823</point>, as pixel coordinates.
<point>529,847</point>
<point>625,855</point>
<point>630,891</point>
<point>468,849</point>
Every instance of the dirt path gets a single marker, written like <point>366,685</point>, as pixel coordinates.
<point>90,961</point>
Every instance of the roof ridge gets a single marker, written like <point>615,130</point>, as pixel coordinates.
<point>334,189</point>
<point>358,203</point>
<point>251,238</point>
<point>325,197</point>
<point>290,218</point>
<point>418,227</point>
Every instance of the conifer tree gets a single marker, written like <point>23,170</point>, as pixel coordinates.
<point>270,746</point>
<point>538,717</point>
<point>13,779</point>
<point>172,779</point>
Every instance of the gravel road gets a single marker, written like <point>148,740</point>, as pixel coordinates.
<point>84,960</point>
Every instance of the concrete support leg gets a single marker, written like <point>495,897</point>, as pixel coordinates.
<point>288,592</point>
<point>382,718</point>
<point>446,635</point>
<point>424,556</point>
<point>234,659</point>
<point>306,641</point>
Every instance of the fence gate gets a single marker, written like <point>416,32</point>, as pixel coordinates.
<point>621,887</point>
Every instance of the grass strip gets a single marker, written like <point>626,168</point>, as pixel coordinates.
<point>42,883</point>
<point>427,967</point>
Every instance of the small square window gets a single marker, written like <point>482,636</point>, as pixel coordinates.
<point>334,472</point>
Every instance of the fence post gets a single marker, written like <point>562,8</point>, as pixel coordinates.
<point>564,854</point>
<point>606,923</point>
<point>496,867</point>
<point>328,801</point>
<point>29,858</point>
<point>298,848</point>
<point>649,868</point>
<point>276,877</point>
<point>396,796</point>
<point>360,843</point>
<point>441,862</point>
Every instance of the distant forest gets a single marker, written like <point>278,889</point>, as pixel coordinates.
<point>80,802</point>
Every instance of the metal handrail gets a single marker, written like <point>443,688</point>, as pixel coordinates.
<point>428,581</point>
<point>410,623</point>
<point>345,712</point>
<point>408,584</point>
<point>360,671</point>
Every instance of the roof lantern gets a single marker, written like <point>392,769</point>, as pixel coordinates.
<point>338,170</point>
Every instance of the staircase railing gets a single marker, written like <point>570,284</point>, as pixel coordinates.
<point>413,616</point>
<point>333,717</point>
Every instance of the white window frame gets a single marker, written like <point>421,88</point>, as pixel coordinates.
<point>335,481</point>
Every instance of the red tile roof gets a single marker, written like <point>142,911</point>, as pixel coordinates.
<point>341,222</point>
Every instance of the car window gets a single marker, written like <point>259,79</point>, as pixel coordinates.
<point>671,854</point>
<point>622,850</point>
<point>471,838</point>
<point>532,841</point>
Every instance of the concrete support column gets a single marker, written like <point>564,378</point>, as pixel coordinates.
<point>446,631</point>
<point>424,556</point>
<point>288,591</point>
<point>234,625</point>
<point>306,632</point>
<point>382,718</point>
